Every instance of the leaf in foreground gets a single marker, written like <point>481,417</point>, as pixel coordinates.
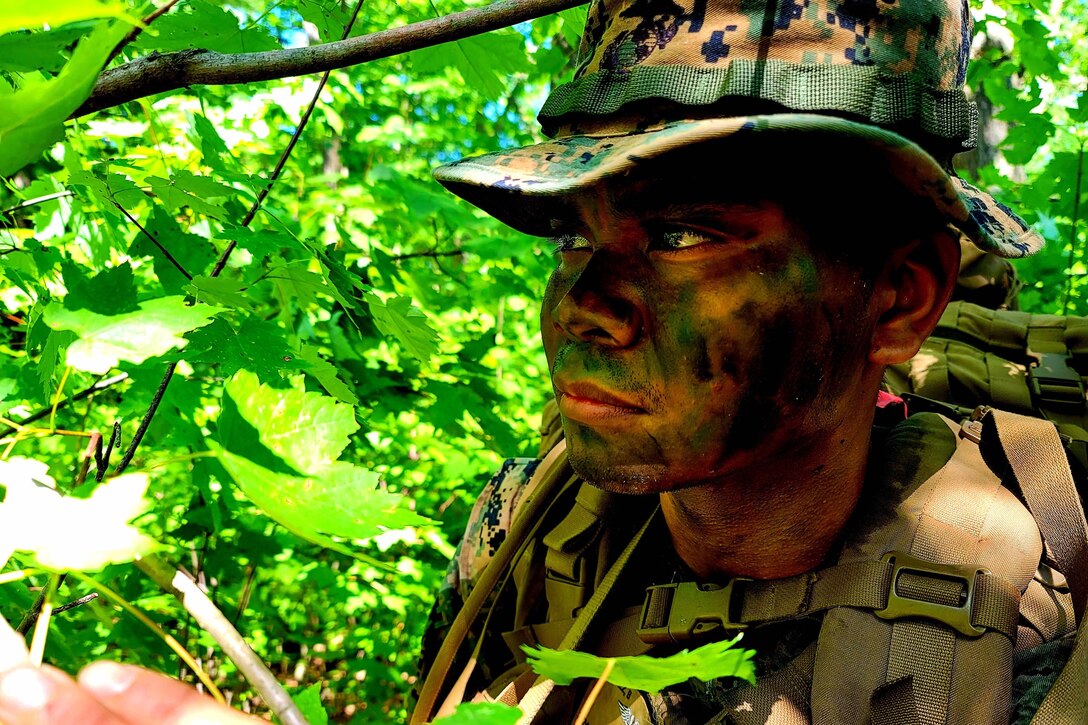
<point>106,340</point>
<point>482,713</point>
<point>642,672</point>
<point>62,532</point>
<point>34,115</point>
<point>309,703</point>
<point>281,447</point>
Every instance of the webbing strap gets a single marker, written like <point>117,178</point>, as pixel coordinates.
<point>1035,454</point>
<point>534,699</point>
<point>674,612</point>
<point>542,489</point>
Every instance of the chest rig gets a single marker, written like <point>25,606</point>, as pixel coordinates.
<point>943,574</point>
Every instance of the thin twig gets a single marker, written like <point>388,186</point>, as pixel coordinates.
<point>77,603</point>
<point>148,416</point>
<point>222,262</point>
<point>169,257</point>
<point>137,29</point>
<point>104,464</point>
<point>433,253</point>
<point>37,200</point>
<point>100,385</point>
<point>159,73</point>
<point>215,623</point>
<point>583,714</point>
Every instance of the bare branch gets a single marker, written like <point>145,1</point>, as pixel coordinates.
<point>215,623</point>
<point>433,253</point>
<point>158,73</point>
<point>100,385</point>
<point>77,603</point>
<point>165,252</point>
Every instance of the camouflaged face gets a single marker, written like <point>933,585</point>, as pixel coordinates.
<point>530,188</point>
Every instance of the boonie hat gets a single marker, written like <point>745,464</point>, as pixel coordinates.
<point>658,75</point>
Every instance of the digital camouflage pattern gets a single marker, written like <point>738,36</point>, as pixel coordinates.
<point>657,75</point>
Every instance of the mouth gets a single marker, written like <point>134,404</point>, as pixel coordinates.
<point>589,403</point>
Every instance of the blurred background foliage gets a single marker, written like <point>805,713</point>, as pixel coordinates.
<point>379,289</point>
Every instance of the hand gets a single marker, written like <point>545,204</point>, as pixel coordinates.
<point>107,693</point>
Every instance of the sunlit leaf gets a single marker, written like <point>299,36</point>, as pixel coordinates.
<point>18,14</point>
<point>309,703</point>
<point>63,532</point>
<point>485,62</point>
<point>643,672</point>
<point>397,318</point>
<point>105,340</point>
<point>482,713</point>
<point>35,113</point>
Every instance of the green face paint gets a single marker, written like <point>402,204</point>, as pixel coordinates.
<point>685,342</point>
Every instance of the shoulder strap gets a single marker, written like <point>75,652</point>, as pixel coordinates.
<point>547,478</point>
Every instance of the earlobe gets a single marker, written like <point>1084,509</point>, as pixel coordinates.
<point>911,293</point>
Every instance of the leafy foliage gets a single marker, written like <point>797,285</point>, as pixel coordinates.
<point>367,354</point>
<point>643,672</point>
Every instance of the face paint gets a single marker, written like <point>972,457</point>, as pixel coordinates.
<point>676,364</point>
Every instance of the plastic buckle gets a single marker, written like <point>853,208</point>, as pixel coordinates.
<point>1055,382</point>
<point>957,617</point>
<point>681,611</point>
<point>971,429</point>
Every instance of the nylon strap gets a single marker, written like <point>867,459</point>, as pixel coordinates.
<point>1035,454</point>
<point>542,487</point>
<point>538,693</point>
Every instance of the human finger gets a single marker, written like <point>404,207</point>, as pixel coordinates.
<point>32,695</point>
<point>143,696</point>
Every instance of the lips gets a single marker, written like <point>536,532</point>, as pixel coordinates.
<point>589,403</point>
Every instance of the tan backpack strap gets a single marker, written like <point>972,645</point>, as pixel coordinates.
<point>543,485</point>
<point>1037,458</point>
<point>534,699</point>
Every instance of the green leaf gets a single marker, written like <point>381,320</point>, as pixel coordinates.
<point>24,52</point>
<point>262,428</point>
<point>34,115</point>
<point>485,62</point>
<point>193,252</point>
<point>220,291</point>
<point>105,340</point>
<point>19,14</point>
<point>110,292</point>
<point>62,532</point>
<point>203,24</point>
<point>255,345</point>
<point>308,431</point>
<point>482,713</point>
<point>398,319</point>
<point>327,375</point>
<point>309,702</point>
<point>642,672</point>
<point>175,194</point>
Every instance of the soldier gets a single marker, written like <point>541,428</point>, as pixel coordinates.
<point>753,213</point>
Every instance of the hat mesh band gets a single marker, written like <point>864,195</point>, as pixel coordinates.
<point>863,91</point>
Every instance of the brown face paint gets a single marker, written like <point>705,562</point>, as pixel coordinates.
<point>737,336</point>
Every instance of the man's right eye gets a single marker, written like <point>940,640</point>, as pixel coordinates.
<point>571,243</point>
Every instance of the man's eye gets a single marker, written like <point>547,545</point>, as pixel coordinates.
<point>570,243</point>
<point>676,239</point>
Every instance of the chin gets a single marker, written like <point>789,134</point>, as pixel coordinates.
<point>636,479</point>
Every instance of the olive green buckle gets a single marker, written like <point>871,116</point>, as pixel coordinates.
<point>684,610</point>
<point>956,617</point>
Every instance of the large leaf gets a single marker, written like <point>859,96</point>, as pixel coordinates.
<point>204,24</point>
<point>19,14</point>
<point>106,340</point>
<point>397,318</point>
<point>34,114</point>
<point>62,532</point>
<point>281,448</point>
<point>485,62</point>
<point>642,672</point>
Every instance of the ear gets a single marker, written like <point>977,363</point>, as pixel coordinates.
<point>911,293</point>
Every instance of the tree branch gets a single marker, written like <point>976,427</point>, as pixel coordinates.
<point>215,623</point>
<point>159,73</point>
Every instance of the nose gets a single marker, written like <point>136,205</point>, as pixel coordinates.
<point>600,307</point>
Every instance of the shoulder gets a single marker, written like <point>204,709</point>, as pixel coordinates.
<point>490,519</point>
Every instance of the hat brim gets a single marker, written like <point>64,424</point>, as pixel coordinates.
<point>530,188</point>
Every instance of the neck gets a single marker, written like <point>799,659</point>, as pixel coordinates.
<point>776,518</point>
